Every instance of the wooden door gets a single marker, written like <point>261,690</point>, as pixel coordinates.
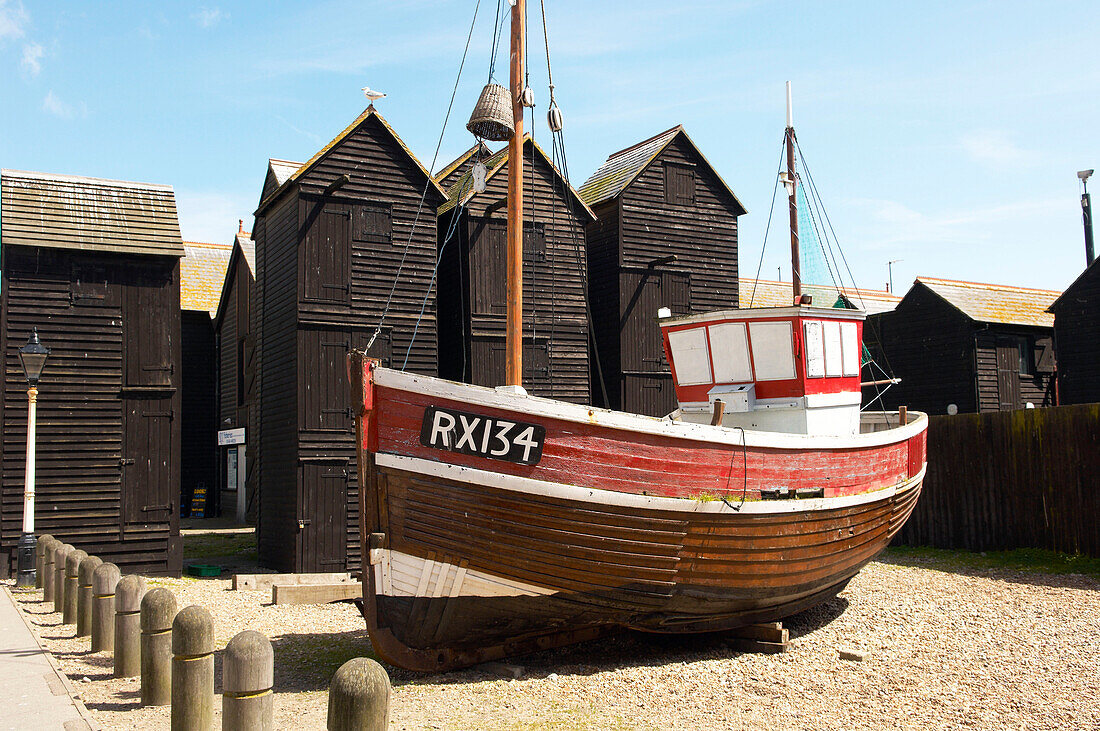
<point>488,359</point>
<point>643,293</point>
<point>325,398</point>
<point>322,517</point>
<point>1008,374</point>
<point>648,394</point>
<point>146,465</point>
<point>326,256</point>
<point>147,337</point>
<point>488,283</point>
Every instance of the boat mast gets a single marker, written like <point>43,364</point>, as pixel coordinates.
<point>792,190</point>
<point>514,333</point>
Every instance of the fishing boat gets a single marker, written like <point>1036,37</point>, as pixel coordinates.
<point>500,523</point>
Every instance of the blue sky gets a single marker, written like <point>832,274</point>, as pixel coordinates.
<point>946,135</point>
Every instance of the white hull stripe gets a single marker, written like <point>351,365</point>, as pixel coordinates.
<point>529,486</point>
<point>402,574</point>
<point>533,407</point>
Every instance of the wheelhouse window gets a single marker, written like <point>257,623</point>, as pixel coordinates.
<point>689,354</point>
<point>772,350</point>
<point>730,346</point>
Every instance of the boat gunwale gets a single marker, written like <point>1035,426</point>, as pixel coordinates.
<point>536,406</point>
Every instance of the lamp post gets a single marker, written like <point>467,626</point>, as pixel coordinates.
<point>33,357</point>
<point>1086,213</point>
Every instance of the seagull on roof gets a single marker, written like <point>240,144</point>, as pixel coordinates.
<point>372,95</point>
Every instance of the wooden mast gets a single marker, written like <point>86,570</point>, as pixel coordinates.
<point>792,189</point>
<point>514,336</point>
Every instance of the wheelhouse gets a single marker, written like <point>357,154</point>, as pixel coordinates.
<point>793,369</point>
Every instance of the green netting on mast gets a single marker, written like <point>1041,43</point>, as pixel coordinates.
<point>814,268</point>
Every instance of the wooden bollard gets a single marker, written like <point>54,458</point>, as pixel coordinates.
<point>40,559</point>
<point>84,595</point>
<point>158,609</point>
<point>59,555</point>
<point>128,595</point>
<point>248,674</point>
<point>72,584</point>
<point>359,697</point>
<point>192,670</point>
<point>104,580</point>
<point>47,567</point>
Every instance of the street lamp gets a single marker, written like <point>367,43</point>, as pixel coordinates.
<point>1086,213</point>
<point>33,357</point>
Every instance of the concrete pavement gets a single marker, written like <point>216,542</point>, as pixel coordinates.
<point>34,694</point>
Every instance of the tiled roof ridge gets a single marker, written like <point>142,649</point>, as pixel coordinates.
<point>208,244</point>
<point>985,285</point>
<point>654,138</point>
<point>85,179</point>
<point>841,290</point>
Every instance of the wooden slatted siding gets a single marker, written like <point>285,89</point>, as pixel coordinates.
<point>944,357</point>
<point>94,310</point>
<point>1006,480</point>
<point>1077,339</point>
<point>555,326</point>
<point>327,258</point>
<point>657,199</point>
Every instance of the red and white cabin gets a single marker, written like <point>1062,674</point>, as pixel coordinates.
<point>789,369</point>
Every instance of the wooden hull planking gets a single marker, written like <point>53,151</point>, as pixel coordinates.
<point>473,559</point>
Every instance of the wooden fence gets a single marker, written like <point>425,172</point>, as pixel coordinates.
<point>1011,479</point>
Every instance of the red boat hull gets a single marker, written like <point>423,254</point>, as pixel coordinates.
<point>623,522</point>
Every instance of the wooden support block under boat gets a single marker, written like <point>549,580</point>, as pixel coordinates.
<point>316,593</point>
<point>770,632</point>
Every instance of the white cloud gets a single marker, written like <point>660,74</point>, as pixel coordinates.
<point>32,59</point>
<point>56,106</point>
<point>13,18</point>
<point>208,17</point>
<point>996,148</point>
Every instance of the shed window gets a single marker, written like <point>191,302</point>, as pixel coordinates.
<point>679,184</point>
<point>1025,347</point>
<point>373,223</point>
<point>772,350</point>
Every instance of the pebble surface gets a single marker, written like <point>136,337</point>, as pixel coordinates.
<point>989,649</point>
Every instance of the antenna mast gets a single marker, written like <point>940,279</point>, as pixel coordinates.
<point>792,195</point>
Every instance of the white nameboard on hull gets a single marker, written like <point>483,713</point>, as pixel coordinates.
<point>228,437</point>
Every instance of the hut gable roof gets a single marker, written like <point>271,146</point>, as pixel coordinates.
<point>243,249</point>
<point>1092,272</point>
<point>995,303</point>
<point>458,167</point>
<point>767,293</point>
<point>92,214</point>
<point>623,167</point>
<point>368,113</point>
<point>202,271</point>
<point>462,190</point>
<point>278,172</point>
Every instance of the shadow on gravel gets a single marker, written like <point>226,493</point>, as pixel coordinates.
<point>1010,575</point>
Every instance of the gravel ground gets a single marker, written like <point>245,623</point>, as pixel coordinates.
<point>989,649</point>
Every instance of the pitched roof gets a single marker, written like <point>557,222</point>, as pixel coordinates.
<point>463,190</point>
<point>767,293</point>
<point>243,249</point>
<point>1090,270</point>
<point>369,112</point>
<point>73,212</point>
<point>623,167</point>
<point>282,169</point>
<point>456,164</point>
<point>248,250</point>
<point>202,271</point>
<point>997,303</point>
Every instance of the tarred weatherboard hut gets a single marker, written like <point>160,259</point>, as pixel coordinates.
<point>94,265</point>
<point>202,271</point>
<point>236,376</point>
<point>665,236</point>
<point>472,292</point>
<point>1077,338</point>
<point>333,239</point>
<point>979,347</point>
